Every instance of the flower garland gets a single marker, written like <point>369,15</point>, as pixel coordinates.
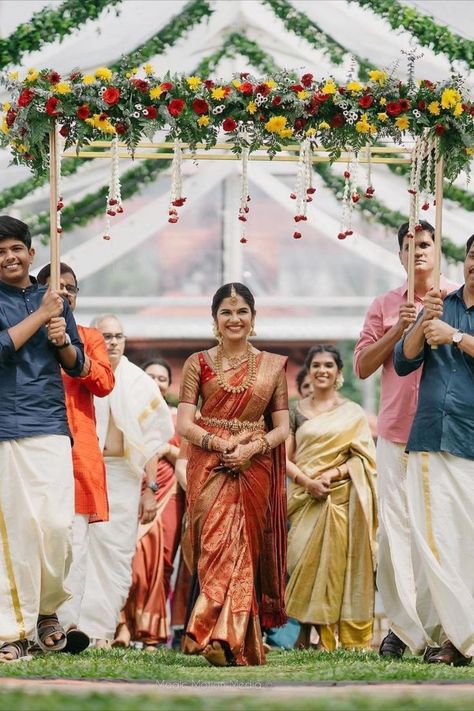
<point>276,111</point>
<point>49,25</point>
<point>301,25</point>
<point>428,33</point>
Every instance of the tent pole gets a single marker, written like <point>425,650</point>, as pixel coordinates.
<point>54,236</point>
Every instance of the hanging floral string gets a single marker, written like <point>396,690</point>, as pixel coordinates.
<point>176,197</point>
<point>370,190</point>
<point>114,195</point>
<point>431,145</point>
<point>244,195</point>
<point>304,185</point>
<point>348,201</point>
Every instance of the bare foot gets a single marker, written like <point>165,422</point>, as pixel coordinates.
<point>304,638</point>
<point>122,636</point>
<point>102,644</point>
<point>214,653</point>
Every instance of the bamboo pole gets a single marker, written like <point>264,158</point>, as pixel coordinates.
<point>54,236</point>
<point>438,219</point>
<point>411,266</point>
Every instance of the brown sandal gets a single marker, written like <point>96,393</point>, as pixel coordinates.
<point>18,650</point>
<point>46,626</point>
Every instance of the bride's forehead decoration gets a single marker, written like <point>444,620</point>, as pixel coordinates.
<point>233,295</point>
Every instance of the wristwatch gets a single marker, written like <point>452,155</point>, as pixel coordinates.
<point>457,338</point>
<point>67,342</point>
<point>153,486</point>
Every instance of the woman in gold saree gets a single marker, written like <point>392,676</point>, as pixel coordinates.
<point>332,511</point>
<point>235,486</point>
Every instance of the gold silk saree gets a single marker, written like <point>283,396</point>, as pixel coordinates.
<point>236,526</point>
<point>331,544</point>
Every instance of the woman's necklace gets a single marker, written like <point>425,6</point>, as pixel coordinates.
<point>249,380</point>
<point>324,406</point>
<point>235,361</point>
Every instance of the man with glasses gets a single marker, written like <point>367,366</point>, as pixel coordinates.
<point>91,504</point>
<point>133,423</point>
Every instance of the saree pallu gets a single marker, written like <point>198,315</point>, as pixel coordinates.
<point>331,544</point>
<point>236,526</point>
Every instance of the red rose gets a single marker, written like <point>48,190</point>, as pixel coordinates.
<point>276,101</point>
<point>440,129</point>
<point>150,112</point>
<point>166,86</point>
<point>422,105</point>
<point>111,95</point>
<point>200,107</point>
<point>393,108</point>
<point>244,75</point>
<point>229,125</point>
<point>246,88</point>
<point>64,131</point>
<point>337,121</point>
<point>365,102</point>
<point>341,89</point>
<point>296,88</point>
<point>307,79</point>
<point>83,112</point>
<point>10,118</point>
<point>404,104</point>
<point>300,123</point>
<point>26,97</point>
<point>209,84</point>
<point>262,89</point>
<point>120,128</point>
<point>54,78</point>
<point>227,90</point>
<point>319,98</point>
<point>175,107</point>
<point>51,105</point>
<point>141,85</point>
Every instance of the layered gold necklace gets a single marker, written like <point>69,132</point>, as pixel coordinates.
<point>249,380</point>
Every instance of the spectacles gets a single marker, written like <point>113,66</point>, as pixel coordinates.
<point>108,337</point>
<point>73,290</point>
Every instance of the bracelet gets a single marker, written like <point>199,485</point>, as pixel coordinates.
<point>265,448</point>
<point>205,441</point>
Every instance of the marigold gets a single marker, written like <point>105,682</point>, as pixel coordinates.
<point>354,87</point>
<point>276,124</point>
<point>156,92</point>
<point>218,93</point>
<point>32,75</point>
<point>458,110</point>
<point>434,108</point>
<point>193,82</point>
<point>286,133</point>
<point>378,76</point>
<point>302,95</point>
<point>362,126</point>
<point>203,121</point>
<point>251,107</point>
<point>62,87</point>
<point>329,87</point>
<point>88,79</point>
<point>449,98</point>
<point>104,73</point>
<point>402,122</point>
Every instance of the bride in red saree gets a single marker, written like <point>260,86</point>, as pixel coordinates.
<point>236,534</point>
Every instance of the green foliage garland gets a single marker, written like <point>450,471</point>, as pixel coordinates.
<point>238,43</point>
<point>464,198</point>
<point>49,25</point>
<point>424,28</point>
<point>301,25</point>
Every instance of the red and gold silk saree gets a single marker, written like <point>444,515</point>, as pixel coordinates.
<point>236,526</point>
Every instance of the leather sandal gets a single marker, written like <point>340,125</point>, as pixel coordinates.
<point>18,651</point>
<point>429,652</point>
<point>46,626</point>
<point>392,646</point>
<point>448,654</point>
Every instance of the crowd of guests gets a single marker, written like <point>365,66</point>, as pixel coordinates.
<point>123,520</point>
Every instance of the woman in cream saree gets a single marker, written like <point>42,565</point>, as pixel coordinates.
<point>236,534</point>
<point>332,511</point>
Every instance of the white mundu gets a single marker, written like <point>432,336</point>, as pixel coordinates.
<point>36,513</point>
<point>395,571</point>
<point>141,414</point>
<point>440,490</point>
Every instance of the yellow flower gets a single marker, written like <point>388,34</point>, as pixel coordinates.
<point>21,148</point>
<point>276,124</point>
<point>354,87</point>
<point>311,132</point>
<point>148,69</point>
<point>402,122</point>
<point>271,83</point>
<point>103,124</point>
<point>449,98</point>
<point>382,101</point>
<point>156,92</point>
<point>434,108</point>
<point>378,76</point>
<point>469,151</point>
<point>32,75</point>
<point>302,95</point>
<point>193,82</point>
<point>6,106</point>
<point>286,133</point>
<point>218,93</point>
<point>330,87</point>
<point>13,76</point>
<point>134,70</point>
<point>236,83</point>
<point>251,107</point>
<point>203,120</point>
<point>62,87</point>
<point>382,116</point>
<point>323,126</point>
<point>104,73</point>
<point>458,109</point>
<point>88,79</point>
<point>363,125</point>
<point>4,128</point>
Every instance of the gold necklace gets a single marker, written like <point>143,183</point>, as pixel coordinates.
<point>235,361</point>
<point>249,378</point>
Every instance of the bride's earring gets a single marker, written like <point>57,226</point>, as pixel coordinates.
<point>216,333</point>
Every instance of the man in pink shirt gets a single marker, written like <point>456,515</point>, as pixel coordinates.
<point>386,321</point>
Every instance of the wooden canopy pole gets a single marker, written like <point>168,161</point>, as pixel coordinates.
<point>438,218</point>
<point>54,236</point>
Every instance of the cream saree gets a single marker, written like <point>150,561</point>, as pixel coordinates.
<point>331,544</point>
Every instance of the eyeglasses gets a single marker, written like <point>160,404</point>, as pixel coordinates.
<point>73,290</point>
<point>108,337</point>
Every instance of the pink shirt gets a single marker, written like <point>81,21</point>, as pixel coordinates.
<point>398,396</point>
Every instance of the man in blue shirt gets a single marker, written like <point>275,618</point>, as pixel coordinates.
<point>38,336</point>
<point>440,475</point>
